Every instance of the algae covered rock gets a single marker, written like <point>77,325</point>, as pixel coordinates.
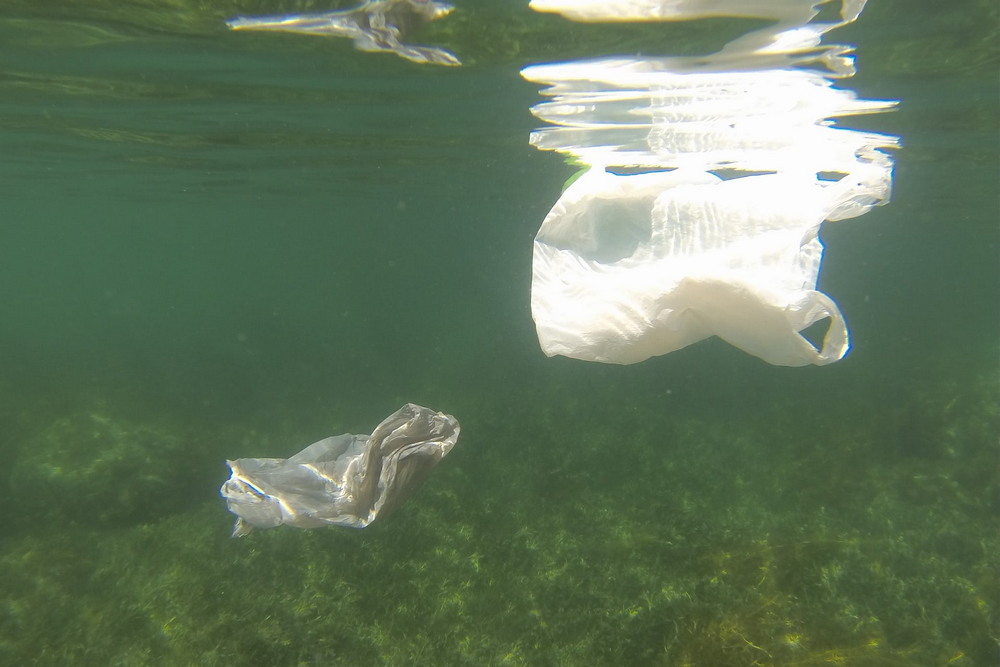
<point>95,469</point>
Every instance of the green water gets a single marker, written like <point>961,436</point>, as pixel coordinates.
<point>225,245</point>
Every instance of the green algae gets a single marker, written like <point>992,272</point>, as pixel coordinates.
<point>765,541</point>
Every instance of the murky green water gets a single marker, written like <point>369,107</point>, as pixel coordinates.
<point>223,245</point>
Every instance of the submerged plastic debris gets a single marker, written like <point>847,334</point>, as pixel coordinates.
<point>706,182</point>
<point>377,25</point>
<point>344,480</point>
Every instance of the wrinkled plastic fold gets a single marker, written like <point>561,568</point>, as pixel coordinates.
<point>344,480</point>
<point>629,267</point>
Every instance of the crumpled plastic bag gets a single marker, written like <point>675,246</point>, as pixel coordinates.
<point>344,480</point>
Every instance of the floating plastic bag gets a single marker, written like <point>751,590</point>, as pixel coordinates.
<point>628,267</point>
<point>705,182</point>
<point>344,480</point>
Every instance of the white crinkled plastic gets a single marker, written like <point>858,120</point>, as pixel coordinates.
<point>344,480</point>
<point>628,267</point>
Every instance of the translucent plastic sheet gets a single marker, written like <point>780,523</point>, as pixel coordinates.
<point>704,185</point>
<point>344,480</point>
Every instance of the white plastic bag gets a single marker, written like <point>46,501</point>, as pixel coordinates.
<point>344,480</point>
<point>700,211</point>
<point>628,267</point>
